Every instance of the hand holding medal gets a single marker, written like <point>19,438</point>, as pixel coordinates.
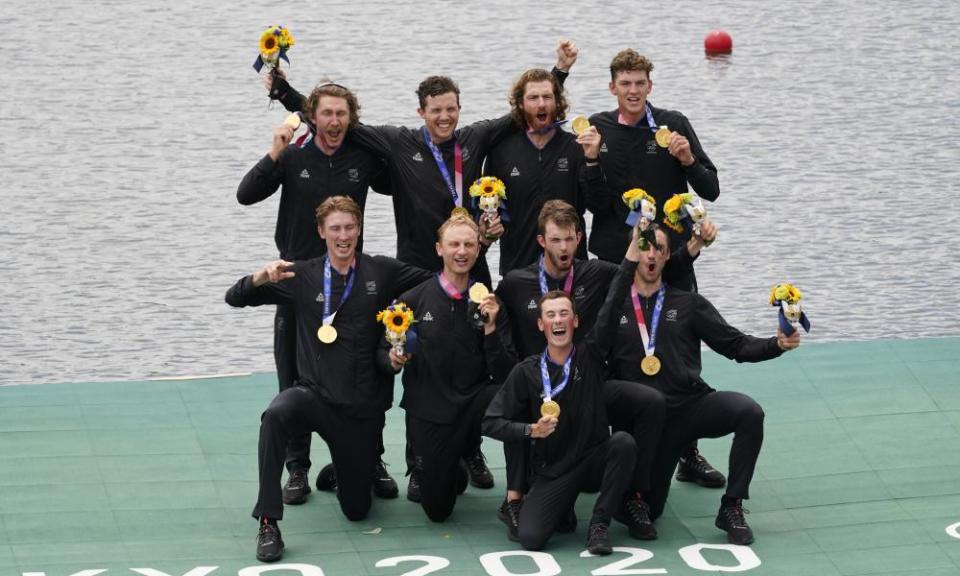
<point>396,319</point>
<point>787,297</point>
<point>643,211</point>
<point>483,308</point>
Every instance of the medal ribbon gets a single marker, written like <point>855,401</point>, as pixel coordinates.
<point>455,189</point>
<point>653,126</point>
<point>327,289</point>
<point>567,283</point>
<point>449,288</point>
<point>548,391</point>
<point>649,340</point>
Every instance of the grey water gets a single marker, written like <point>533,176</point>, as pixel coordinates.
<point>125,128</point>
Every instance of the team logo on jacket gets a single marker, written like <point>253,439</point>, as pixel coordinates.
<point>514,172</point>
<point>603,148</point>
<point>418,157</point>
<point>576,373</point>
<point>466,152</point>
<point>671,315</point>
<point>305,174</point>
<point>532,305</point>
<point>623,320</point>
<point>353,174</point>
<point>578,293</point>
<point>372,287</point>
<point>428,317</point>
<point>320,297</point>
<point>652,146</point>
<point>563,165</point>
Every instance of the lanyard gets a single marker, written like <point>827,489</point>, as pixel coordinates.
<point>567,283</point>
<point>649,340</point>
<point>449,288</point>
<point>550,392</point>
<point>327,289</point>
<point>650,122</point>
<point>455,189</point>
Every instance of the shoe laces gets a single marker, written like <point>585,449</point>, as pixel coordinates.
<point>637,510</point>
<point>380,469</point>
<point>476,462</point>
<point>698,462</point>
<point>267,530</point>
<point>298,479</point>
<point>597,531</point>
<point>513,510</point>
<point>734,515</point>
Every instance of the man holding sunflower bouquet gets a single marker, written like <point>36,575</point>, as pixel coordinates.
<point>342,391</point>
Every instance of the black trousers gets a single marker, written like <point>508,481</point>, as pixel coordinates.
<point>470,446</point>
<point>550,499</point>
<point>285,357</point>
<point>712,416</point>
<point>440,447</point>
<point>299,411</point>
<point>639,411</point>
<point>632,408</point>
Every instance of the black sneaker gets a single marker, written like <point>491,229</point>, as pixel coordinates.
<point>297,488</point>
<point>598,542</point>
<point>730,519</point>
<point>480,476</point>
<point>384,486</point>
<point>635,513</point>
<point>694,468</point>
<point>269,543</point>
<point>569,523</point>
<point>509,514</point>
<point>463,477</point>
<point>327,479</point>
<point>413,486</point>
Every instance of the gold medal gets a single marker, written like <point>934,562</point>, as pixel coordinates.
<point>579,125</point>
<point>650,365</point>
<point>662,136</point>
<point>459,211</point>
<point>327,334</point>
<point>550,408</point>
<point>478,292</point>
<point>293,121</point>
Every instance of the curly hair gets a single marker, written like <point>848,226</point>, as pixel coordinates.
<point>629,61</point>
<point>457,220</point>
<point>520,88</point>
<point>435,86</point>
<point>326,88</point>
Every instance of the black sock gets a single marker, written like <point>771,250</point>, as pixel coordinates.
<point>728,501</point>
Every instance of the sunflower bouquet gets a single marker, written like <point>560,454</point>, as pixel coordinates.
<point>488,192</point>
<point>683,206</point>
<point>643,209</point>
<point>396,319</point>
<point>274,43</point>
<point>787,297</point>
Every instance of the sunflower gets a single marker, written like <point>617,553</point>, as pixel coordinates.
<point>634,196</point>
<point>396,318</point>
<point>488,186</point>
<point>786,293</point>
<point>269,43</point>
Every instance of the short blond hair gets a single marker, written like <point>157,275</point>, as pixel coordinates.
<point>338,204</point>
<point>457,220</point>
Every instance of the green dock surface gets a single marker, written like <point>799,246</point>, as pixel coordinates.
<point>860,474</point>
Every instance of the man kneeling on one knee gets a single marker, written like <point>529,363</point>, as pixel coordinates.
<point>555,401</point>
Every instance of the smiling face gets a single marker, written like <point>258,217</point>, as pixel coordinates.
<point>332,118</point>
<point>440,115</point>
<point>341,230</point>
<point>539,104</point>
<point>557,320</point>
<point>631,87</point>
<point>559,245</point>
<point>459,247</point>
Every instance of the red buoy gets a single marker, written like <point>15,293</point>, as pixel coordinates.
<point>718,42</point>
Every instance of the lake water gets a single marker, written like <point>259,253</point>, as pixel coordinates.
<point>125,129</point>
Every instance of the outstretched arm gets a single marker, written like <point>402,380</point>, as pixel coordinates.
<point>600,338</point>
<point>268,285</point>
